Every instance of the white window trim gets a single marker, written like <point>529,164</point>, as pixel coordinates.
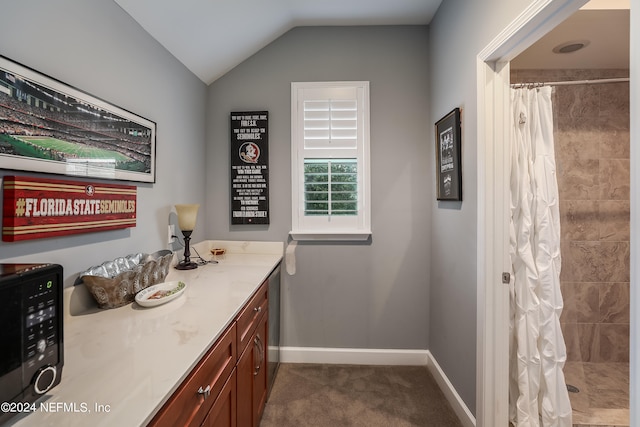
<point>360,232</point>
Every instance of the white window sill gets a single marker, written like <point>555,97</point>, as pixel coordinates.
<point>342,236</point>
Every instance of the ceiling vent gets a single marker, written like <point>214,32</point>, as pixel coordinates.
<point>570,47</point>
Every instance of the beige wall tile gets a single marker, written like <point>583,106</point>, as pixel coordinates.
<point>614,99</point>
<point>578,179</point>
<point>613,342</point>
<point>578,101</point>
<point>577,141</point>
<point>614,144</point>
<point>614,179</point>
<point>614,302</point>
<point>614,220</point>
<point>596,262</point>
<point>581,302</point>
<point>579,220</point>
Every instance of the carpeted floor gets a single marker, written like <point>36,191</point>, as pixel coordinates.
<point>347,395</point>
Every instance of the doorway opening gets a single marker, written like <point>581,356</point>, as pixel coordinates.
<point>590,100</point>
<point>494,75</point>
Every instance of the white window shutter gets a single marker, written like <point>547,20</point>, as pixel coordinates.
<point>330,160</point>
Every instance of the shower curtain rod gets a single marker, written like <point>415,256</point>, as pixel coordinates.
<point>570,82</point>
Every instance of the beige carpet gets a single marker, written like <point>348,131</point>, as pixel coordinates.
<point>347,395</point>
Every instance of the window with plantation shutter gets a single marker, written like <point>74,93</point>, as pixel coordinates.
<point>330,161</point>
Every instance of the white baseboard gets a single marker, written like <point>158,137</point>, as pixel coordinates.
<point>459,407</point>
<point>353,356</point>
<point>357,356</point>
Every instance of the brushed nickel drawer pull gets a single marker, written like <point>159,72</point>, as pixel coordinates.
<point>259,346</point>
<point>206,392</point>
<point>256,346</point>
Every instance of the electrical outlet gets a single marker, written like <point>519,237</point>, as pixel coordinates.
<point>171,235</point>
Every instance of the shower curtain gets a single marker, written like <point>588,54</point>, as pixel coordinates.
<point>538,393</point>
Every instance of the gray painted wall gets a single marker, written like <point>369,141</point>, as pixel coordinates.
<point>95,46</point>
<point>458,33</point>
<point>373,295</point>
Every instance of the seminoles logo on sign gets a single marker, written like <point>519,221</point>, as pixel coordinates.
<point>249,152</point>
<point>89,190</point>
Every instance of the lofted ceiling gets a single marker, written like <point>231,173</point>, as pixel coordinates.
<point>210,37</point>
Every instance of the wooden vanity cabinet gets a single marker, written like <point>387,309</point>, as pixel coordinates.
<point>228,387</point>
<point>192,401</point>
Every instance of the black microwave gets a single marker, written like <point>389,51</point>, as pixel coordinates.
<point>31,321</point>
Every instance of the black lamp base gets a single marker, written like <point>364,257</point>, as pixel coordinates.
<point>186,263</point>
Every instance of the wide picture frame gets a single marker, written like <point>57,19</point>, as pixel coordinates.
<point>448,152</point>
<point>48,126</point>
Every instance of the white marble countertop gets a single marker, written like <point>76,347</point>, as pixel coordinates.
<point>122,364</point>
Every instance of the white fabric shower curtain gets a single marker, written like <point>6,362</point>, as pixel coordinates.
<point>538,392</point>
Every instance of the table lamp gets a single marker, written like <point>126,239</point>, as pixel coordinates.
<point>187,215</point>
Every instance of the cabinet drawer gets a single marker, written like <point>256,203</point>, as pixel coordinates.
<point>195,396</point>
<point>249,317</point>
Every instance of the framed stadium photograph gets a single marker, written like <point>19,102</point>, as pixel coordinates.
<point>448,151</point>
<point>51,127</point>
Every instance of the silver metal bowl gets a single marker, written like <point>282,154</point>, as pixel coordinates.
<point>116,283</point>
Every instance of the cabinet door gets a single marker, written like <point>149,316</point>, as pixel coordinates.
<point>223,411</point>
<point>194,397</point>
<point>252,378</point>
<point>260,377</point>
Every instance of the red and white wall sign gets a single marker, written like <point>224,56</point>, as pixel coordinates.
<point>35,208</point>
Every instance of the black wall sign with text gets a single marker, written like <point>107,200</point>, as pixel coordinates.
<point>250,167</point>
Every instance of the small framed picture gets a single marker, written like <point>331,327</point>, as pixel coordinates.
<point>448,151</point>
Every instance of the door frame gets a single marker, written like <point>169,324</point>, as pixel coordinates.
<point>492,382</point>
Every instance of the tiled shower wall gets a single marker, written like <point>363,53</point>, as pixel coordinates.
<point>591,130</point>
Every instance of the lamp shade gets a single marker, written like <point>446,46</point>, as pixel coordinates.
<point>187,215</point>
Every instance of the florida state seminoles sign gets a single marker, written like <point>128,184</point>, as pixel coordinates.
<point>35,208</point>
<point>250,167</point>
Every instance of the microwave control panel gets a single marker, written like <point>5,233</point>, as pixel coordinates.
<point>40,323</point>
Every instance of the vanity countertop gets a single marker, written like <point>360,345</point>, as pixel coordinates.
<point>122,364</point>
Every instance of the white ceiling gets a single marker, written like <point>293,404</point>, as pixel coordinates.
<point>210,37</point>
<point>604,26</point>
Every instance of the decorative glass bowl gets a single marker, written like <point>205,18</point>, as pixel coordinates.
<point>116,283</point>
